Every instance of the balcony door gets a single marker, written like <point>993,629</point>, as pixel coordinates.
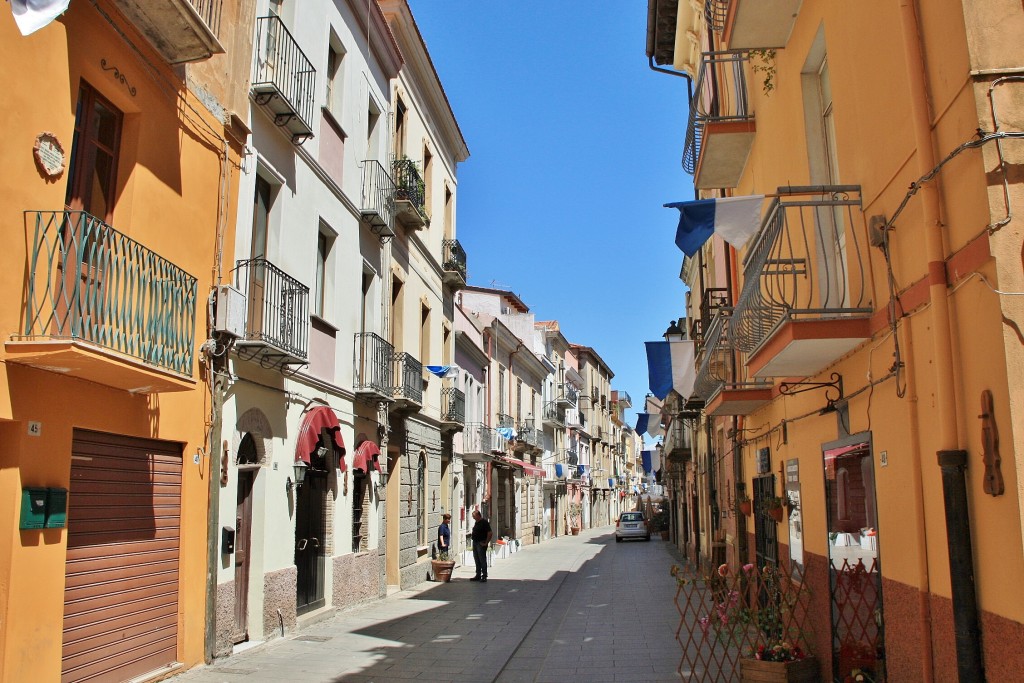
<point>85,236</point>
<point>257,272</point>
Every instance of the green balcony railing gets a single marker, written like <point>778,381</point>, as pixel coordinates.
<point>88,282</point>
<point>409,185</point>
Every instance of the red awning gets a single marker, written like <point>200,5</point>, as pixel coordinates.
<point>528,469</point>
<point>367,456</point>
<point>313,424</point>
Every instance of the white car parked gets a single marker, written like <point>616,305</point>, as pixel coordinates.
<point>632,525</point>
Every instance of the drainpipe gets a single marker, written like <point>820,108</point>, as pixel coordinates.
<point>951,460</point>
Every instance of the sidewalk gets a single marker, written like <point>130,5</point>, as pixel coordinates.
<point>572,608</point>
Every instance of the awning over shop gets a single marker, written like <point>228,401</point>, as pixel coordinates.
<point>528,469</point>
<point>366,457</point>
<point>314,423</point>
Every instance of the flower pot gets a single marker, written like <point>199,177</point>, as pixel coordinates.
<point>575,531</point>
<point>664,535</point>
<point>800,671</point>
<point>442,570</point>
<point>775,513</point>
<point>746,507</point>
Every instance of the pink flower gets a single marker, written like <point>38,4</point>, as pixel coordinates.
<point>704,623</point>
<point>723,570</point>
<point>748,568</point>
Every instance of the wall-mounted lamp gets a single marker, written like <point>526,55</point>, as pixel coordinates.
<point>299,468</point>
<point>674,332</point>
<point>322,452</point>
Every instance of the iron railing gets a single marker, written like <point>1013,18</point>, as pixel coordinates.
<point>373,364</point>
<point>715,14</point>
<point>572,456</point>
<point>624,398</point>
<point>378,200</point>
<point>277,306</point>
<point>210,11</point>
<point>454,258</point>
<point>552,413</point>
<point>477,438</point>
<point>807,260</point>
<point>575,418</point>
<point>568,394</point>
<point>282,65</point>
<point>505,421</point>
<point>409,185</point>
<point>719,95</point>
<point>88,282</point>
<point>528,433</point>
<point>453,405</point>
<point>409,374</point>
<point>715,361</point>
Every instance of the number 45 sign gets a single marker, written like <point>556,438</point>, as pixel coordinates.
<point>35,428</point>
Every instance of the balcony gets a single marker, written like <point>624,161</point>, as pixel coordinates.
<point>477,442</point>
<point>623,398</point>
<point>410,194</point>
<point>716,375</point>
<point>102,307</point>
<point>572,456</point>
<point>453,264</point>
<point>506,421</point>
<point>373,370</point>
<point>804,302</point>
<point>453,409</point>
<point>180,30</point>
<point>277,315</point>
<point>753,24</point>
<point>576,420</point>
<point>284,79</point>
<point>553,415</point>
<point>677,446</point>
<point>568,395</point>
<point>720,131</point>
<point>378,200</point>
<point>528,437</point>
<point>408,390</point>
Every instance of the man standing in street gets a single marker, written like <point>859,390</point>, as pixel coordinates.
<point>481,539</point>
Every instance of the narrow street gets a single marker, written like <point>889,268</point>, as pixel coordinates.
<point>580,608</point>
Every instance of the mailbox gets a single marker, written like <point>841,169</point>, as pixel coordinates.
<point>56,508</point>
<point>33,508</point>
<point>227,540</point>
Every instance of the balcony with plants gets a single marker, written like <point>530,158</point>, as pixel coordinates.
<point>283,80</point>
<point>277,315</point>
<point>180,30</point>
<point>453,264</point>
<point>410,194</point>
<point>804,302</point>
<point>377,205</point>
<point>720,130</point>
<point>102,307</point>
<point>753,24</point>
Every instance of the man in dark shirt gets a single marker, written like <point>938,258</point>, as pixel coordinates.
<point>481,539</point>
<point>444,534</point>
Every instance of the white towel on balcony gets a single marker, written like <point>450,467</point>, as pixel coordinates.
<point>32,15</point>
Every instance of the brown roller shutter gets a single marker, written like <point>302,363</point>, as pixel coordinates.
<point>121,591</point>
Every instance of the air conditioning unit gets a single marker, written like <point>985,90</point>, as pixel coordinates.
<point>230,315</point>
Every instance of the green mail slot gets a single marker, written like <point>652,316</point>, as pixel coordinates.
<point>56,508</point>
<point>33,508</point>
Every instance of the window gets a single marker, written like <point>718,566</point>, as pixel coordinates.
<point>421,500</point>
<point>397,311</point>
<point>93,178</point>
<point>425,334</point>
<point>400,129</point>
<point>428,177</point>
<point>367,308</point>
<point>501,390</point>
<point>335,77</point>
<point>324,242</point>
<point>372,131</point>
<point>449,215</point>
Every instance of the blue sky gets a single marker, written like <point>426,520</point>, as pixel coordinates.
<point>575,144</point>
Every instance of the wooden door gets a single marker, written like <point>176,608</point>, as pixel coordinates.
<point>243,544</point>
<point>310,542</point>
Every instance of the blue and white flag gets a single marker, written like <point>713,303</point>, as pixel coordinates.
<point>734,219</point>
<point>442,371</point>
<point>32,15</point>
<point>647,423</point>
<point>506,433</point>
<point>645,461</point>
<point>670,366</point>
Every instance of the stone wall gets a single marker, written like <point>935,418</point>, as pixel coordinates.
<point>278,594</point>
<point>357,579</point>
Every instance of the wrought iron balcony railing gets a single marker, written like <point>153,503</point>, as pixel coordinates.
<point>572,456</point>
<point>478,438</point>
<point>553,414</point>
<point>806,260</point>
<point>454,259</point>
<point>568,395</point>
<point>505,421</point>
<point>277,307</point>
<point>528,433</point>
<point>181,31</point>
<point>409,185</point>
<point>409,373</point>
<point>715,362</point>
<point>374,370</point>
<point>378,199</point>
<point>719,95</point>
<point>453,405</point>
<point>210,12</point>
<point>88,282</point>
<point>283,77</point>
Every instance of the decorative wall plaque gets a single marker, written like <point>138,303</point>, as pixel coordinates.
<point>49,155</point>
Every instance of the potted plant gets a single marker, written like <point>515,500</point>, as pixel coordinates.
<point>773,505</point>
<point>575,517</point>
<point>442,566</point>
<point>659,523</point>
<point>782,661</point>
<point>744,504</point>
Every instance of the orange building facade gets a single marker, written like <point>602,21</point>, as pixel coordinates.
<point>121,155</point>
<point>859,356</point>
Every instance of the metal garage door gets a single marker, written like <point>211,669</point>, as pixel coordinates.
<point>121,591</point>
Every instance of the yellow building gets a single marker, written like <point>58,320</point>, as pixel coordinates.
<point>120,155</point>
<point>860,353</point>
